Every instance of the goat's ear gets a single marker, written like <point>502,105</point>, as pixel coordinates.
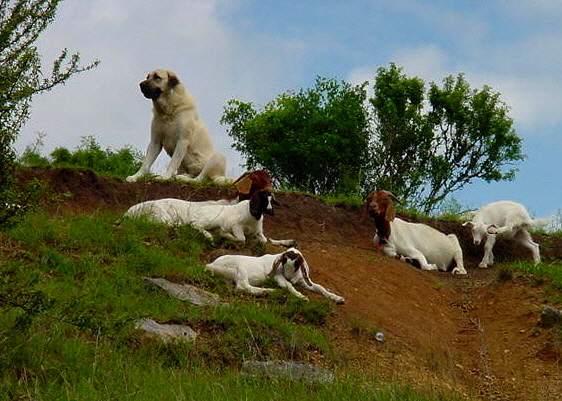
<point>276,264</point>
<point>243,184</point>
<point>492,229</point>
<point>255,203</point>
<point>390,214</point>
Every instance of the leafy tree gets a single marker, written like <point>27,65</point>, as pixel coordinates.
<point>421,144</point>
<point>21,76</point>
<point>402,137</point>
<point>315,140</point>
<point>425,150</point>
<point>473,138</point>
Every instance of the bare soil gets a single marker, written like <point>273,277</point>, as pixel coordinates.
<point>473,335</point>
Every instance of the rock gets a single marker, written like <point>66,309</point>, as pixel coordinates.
<point>288,370</point>
<point>186,292</point>
<point>167,332</point>
<point>550,317</point>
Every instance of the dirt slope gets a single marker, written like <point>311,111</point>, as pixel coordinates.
<point>475,334</point>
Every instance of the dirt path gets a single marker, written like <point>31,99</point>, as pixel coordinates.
<point>474,334</point>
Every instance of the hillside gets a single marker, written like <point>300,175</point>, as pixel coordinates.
<point>476,334</point>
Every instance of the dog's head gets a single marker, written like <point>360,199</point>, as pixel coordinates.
<point>158,82</point>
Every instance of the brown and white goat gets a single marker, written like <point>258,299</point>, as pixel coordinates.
<point>430,248</point>
<point>288,268</point>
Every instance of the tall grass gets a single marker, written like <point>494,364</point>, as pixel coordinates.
<point>71,289</point>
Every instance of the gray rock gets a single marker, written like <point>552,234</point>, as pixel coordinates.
<point>186,292</point>
<point>288,370</point>
<point>550,317</point>
<point>166,332</point>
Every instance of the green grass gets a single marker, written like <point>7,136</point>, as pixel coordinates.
<point>71,290</point>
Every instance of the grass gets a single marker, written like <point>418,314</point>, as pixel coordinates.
<point>71,289</point>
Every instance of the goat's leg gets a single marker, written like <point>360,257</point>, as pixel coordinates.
<point>488,258</point>
<point>321,290</point>
<point>236,235</point>
<point>244,285</point>
<point>283,242</point>
<point>286,284</point>
<point>457,256</point>
<point>413,253</point>
<point>524,238</point>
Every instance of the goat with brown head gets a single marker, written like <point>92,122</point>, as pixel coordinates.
<point>379,205</point>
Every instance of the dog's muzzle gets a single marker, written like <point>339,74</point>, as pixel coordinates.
<point>149,91</point>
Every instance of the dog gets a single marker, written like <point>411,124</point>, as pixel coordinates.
<point>177,127</point>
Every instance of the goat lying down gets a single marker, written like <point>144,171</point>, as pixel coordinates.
<point>286,268</point>
<point>506,219</point>
<point>234,222</point>
<point>432,249</point>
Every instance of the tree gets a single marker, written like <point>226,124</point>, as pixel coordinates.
<point>401,140</point>
<point>420,144</point>
<point>315,140</point>
<point>424,151</point>
<point>21,76</point>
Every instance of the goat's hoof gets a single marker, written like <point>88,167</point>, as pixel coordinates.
<point>339,300</point>
<point>459,271</point>
<point>483,265</point>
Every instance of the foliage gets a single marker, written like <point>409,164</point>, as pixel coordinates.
<point>88,154</point>
<point>402,136</point>
<point>420,144</point>
<point>21,76</point>
<point>314,140</point>
<point>424,155</point>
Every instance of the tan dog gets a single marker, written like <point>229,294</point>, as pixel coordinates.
<point>176,126</point>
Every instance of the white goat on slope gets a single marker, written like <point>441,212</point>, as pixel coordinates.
<point>234,222</point>
<point>507,219</point>
<point>286,268</point>
<point>432,249</point>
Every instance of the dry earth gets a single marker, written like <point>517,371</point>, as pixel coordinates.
<point>474,334</point>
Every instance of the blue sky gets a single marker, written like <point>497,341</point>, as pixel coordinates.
<point>254,50</point>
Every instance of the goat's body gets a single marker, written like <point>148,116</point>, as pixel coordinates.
<point>248,272</point>
<point>432,249</point>
<point>509,220</point>
<point>232,221</point>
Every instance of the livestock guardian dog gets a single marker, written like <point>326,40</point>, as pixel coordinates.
<point>176,126</point>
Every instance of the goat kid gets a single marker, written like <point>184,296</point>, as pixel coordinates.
<point>432,249</point>
<point>506,219</point>
<point>234,222</point>
<point>287,269</point>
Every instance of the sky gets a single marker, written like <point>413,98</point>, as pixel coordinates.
<point>255,50</point>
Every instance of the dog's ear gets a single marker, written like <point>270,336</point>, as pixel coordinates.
<point>173,80</point>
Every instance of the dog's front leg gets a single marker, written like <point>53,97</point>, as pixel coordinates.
<point>152,152</point>
<point>177,158</point>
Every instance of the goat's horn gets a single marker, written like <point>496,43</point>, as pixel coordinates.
<point>392,196</point>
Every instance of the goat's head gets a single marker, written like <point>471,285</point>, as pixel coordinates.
<point>379,204</point>
<point>262,202</point>
<point>380,207</point>
<point>291,258</point>
<point>251,182</point>
<point>480,230</point>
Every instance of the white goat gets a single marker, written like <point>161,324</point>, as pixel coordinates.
<point>286,268</point>
<point>432,249</point>
<point>234,222</point>
<point>507,219</point>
